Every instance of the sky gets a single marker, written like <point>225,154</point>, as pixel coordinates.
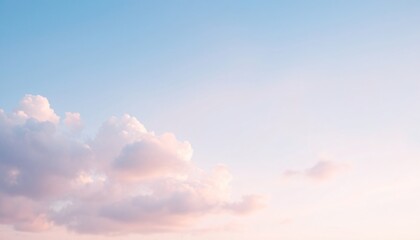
<point>288,120</point>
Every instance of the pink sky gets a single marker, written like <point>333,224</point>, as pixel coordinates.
<point>231,120</point>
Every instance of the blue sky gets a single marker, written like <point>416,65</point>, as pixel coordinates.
<point>261,86</point>
<point>143,57</point>
<point>165,48</point>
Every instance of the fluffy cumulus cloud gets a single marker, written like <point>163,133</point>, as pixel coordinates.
<point>126,179</point>
<point>321,171</point>
<point>36,107</point>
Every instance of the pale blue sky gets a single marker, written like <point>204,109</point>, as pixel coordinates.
<point>262,86</point>
<point>139,51</point>
<point>105,58</point>
<point>155,59</point>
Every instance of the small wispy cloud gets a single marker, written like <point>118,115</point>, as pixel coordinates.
<point>322,170</point>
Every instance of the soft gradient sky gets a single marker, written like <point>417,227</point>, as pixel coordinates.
<point>313,108</point>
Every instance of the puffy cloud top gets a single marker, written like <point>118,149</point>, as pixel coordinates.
<point>126,179</point>
<point>37,107</point>
<point>73,121</point>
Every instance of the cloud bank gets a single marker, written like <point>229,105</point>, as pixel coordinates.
<point>125,179</point>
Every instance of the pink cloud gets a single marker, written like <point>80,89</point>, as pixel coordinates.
<point>37,107</point>
<point>23,213</point>
<point>321,171</point>
<point>126,179</point>
<point>73,121</point>
<point>324,170</point>
<point>153,156</point>
<point>247,204</point>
